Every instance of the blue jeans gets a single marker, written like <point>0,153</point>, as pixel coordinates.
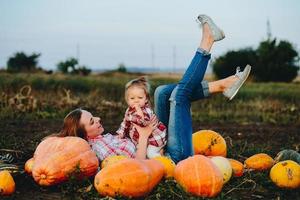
<point>173,103</point>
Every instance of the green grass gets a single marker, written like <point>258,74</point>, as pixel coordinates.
<point>274,103</point>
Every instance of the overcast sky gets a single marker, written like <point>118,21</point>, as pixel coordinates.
<point>163,33</point>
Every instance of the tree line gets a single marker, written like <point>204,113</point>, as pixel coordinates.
<point>271,61</point>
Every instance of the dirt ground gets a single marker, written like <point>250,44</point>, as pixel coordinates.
<point>242,140</point>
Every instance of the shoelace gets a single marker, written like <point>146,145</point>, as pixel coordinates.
<point>238,72</point>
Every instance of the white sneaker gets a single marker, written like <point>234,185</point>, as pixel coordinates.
<point>217,33</point>
<point>242,76</point>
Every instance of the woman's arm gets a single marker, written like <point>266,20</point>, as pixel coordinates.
<point>144,133</point>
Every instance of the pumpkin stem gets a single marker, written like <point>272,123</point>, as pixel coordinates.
<point>43,176</point>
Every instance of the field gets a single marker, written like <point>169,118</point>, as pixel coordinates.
<point>264,117</point>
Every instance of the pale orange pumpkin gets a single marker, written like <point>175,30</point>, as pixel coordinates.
<point>286,174</point>
<point>237,167</point>
<point>224,166</point>
<point>7,183</point>
<point>28,166</point>
<point>260,161</point>
<point>209,143</point>
<point>168,164</point>
<point>112,160</point>
<point>199,176</point>
<point>56,158</point>
<point>129,177</point>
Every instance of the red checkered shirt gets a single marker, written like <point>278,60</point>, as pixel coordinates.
<point>157,137</point>
<point>109,145</point>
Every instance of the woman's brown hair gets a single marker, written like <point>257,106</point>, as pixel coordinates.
<point>72,126</point>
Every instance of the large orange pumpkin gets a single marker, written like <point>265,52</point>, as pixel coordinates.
<point>199,176</point>
<point>129,177</point>
<point>209,143</point>
<point>7,183</point>
<point>237,167</point>
<point>260,162</point>
<point>56,158</point>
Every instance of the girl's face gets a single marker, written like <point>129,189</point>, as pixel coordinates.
<point>136,97</point>
<point>91,124</point>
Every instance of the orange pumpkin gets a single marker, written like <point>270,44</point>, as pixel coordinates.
<point>168,164</point>
<point>260,161</point>
<point>28,166</point>
<point>129,177</point>
<point>111,160</point>
<point>237,167</point>
<point>7,183</point>
<point>56,158</point>
<point>199,176</point>
<point>286,174</point>
<point>209,143</point>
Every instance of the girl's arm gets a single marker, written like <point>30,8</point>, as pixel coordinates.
<point>145,132</point>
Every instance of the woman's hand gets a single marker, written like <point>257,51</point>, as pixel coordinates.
<point>145,132</point>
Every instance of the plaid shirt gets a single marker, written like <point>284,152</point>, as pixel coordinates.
<point>158,136</point>
<point>109,145</point>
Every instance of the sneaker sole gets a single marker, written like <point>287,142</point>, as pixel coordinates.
<point>217,27</point>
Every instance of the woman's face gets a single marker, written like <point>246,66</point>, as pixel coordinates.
<point>92,125</point>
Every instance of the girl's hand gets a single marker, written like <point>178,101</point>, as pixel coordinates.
<point>139,110</point>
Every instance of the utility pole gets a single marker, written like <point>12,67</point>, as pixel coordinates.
<point>78,52</point>
<point>152,57</point>
<point>269,33</point>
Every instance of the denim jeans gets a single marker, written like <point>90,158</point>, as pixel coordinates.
<point>173,103</point>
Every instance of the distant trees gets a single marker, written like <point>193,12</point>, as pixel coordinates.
<point>70,66</point>
<point>20,62</point>
<point>270,61</point>
<point>225,65</point>
<point>276,62</point>
<point>121,68</point>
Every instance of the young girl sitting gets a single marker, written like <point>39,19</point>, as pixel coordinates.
<point>139,112</point>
